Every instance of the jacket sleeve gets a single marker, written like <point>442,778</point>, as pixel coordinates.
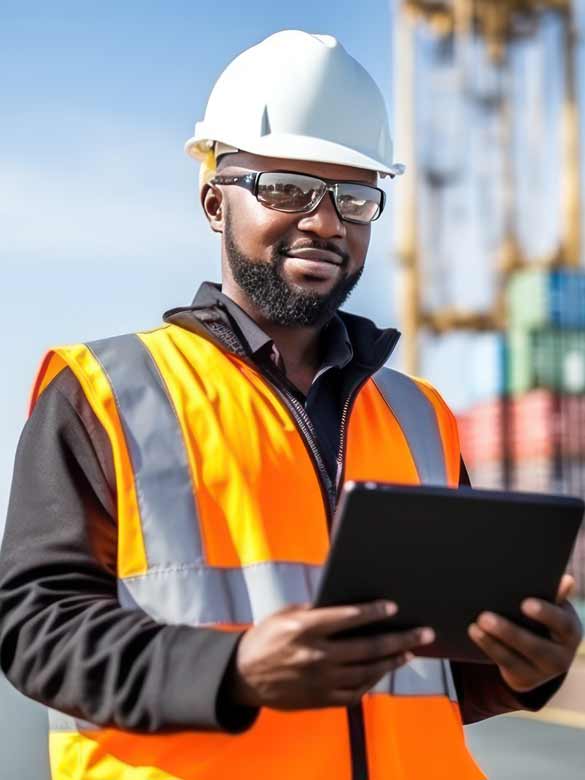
<point>64,638</point>
<point>481,689</point>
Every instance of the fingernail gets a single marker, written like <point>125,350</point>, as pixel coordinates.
<point>427,635</point>
<point>390,608</point>
<point>488,620</point>
<point>475,631</point>
<point>531,605</point>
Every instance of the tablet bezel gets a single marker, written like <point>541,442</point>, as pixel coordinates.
<point>356,494</point>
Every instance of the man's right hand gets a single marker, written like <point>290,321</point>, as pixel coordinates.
<point>290,661</point>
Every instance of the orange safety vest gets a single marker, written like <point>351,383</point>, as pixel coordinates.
<point>222,521</point>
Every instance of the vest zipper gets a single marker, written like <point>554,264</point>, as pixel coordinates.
<point>347,407</point>
<point>295,407</point>
<point>330,493</point>
<point>309,436</point>
<point>355,715</point>
<point>346,411</point>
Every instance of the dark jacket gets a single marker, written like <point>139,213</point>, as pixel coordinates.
<point>65,640</point>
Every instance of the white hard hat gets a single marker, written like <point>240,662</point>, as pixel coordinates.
<point>301,97</point>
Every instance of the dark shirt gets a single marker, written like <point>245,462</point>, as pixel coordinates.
<point>64,638</point>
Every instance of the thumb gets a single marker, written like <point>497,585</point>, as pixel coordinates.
<point>294,608</point>
<point>566,588</point>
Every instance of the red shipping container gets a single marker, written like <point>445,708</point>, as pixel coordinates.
<point>538,424</point>
<point>480,433</point>
<point>489,476</point>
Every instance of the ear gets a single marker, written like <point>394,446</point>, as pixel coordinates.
<point>213,204</point>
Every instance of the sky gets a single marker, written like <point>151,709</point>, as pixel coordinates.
<point>100,228</point>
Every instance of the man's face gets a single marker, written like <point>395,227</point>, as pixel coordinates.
<point>296,269</point>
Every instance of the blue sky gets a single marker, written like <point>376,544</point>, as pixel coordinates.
<point>100,228</point>
<point>99,223</point>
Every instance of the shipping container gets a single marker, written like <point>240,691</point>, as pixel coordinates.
<point>543,424</point>
<point>538,424</point>
<point>466,367</point>
<point>489,476</point>
<point>539,298</point>
<point>548,358</point>
<point>481,432</point>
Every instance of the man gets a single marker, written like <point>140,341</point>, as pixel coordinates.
<point>173,489</point>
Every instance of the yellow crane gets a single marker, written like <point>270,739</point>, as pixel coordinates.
<point>499,23</point>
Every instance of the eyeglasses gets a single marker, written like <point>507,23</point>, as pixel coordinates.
<point>299,193</point>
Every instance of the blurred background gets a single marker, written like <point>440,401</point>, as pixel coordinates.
<point>479,258</point>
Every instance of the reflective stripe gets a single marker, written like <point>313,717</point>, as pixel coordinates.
<point>418,421</point>
<point>207,595</point>
<point>421,677</point>
<point>199,595</point>
<point>179,587</point>
<point>451,689</point>
<point>155,443</point>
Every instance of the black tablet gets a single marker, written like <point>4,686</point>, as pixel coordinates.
<point>444,556</point>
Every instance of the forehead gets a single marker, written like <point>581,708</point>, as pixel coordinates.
<point>325,170</point>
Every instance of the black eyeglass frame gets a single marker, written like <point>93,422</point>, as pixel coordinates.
<point>249,181</point>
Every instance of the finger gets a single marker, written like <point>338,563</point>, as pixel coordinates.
<point>329,620</point>
<point>362,650</point>
<point>367,675</point>
<point>363,682</point>
<point>562,621</point>
<point>566,588</point>
<point>342,698</point>
<point>293,608</point>
<point>501,654</point>
<point>538,652</point>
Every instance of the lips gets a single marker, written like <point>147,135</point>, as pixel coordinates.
<point>317,255</point>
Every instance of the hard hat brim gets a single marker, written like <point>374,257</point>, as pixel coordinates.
<point>296,147</point>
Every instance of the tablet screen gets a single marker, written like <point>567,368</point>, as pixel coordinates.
<point>444,556</point>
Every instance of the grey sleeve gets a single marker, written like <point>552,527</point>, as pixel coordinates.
<point>64,638</point>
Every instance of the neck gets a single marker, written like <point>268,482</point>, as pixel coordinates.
<point>299,347</point>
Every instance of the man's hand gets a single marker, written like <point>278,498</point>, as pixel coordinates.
<point>525,659</point>
<point>289,661</point>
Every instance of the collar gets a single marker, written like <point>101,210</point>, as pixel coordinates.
<point>346,337</point>
<point>210,296</point>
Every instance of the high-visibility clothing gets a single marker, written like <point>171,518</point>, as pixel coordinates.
<point>222,520</point>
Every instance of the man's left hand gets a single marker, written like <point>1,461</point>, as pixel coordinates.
<point>525,659</point>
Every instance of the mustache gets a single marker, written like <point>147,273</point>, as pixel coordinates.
<point>284,248</point>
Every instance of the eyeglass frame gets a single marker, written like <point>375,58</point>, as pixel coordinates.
<point>249,181</point>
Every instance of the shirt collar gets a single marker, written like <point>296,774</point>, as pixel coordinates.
<point>210,294</point>
<point>336,344</point>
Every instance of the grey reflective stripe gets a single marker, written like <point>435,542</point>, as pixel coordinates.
<point>58,721</point>
<point>179,587</point>
<point>205,595</point>
<point>155,444</point>
<point>421,677</point>
<point>451,689</point>
<point>417,418</point>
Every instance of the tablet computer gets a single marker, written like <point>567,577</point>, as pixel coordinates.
<point>445,555</point>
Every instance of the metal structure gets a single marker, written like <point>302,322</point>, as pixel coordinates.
<point>486,93</point>
<point>500,24</point>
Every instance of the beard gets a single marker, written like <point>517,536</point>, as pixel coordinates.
<point>278,301</point>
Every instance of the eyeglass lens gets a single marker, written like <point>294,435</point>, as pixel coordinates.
<point>292,192</point>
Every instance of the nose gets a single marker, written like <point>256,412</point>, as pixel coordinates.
<point>324,221</point>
